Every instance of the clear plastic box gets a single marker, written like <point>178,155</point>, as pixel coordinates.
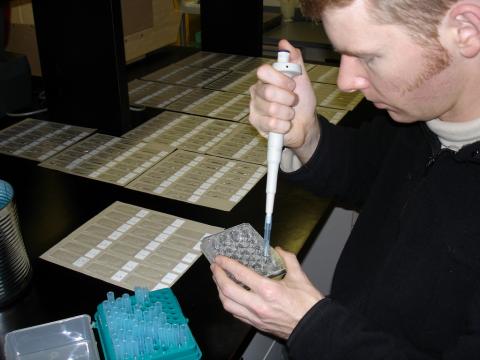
<point>70,338</point>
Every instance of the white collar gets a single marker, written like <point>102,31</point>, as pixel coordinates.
<point>454,135</point>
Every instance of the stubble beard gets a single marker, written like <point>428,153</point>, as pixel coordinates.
<point>437,59</point>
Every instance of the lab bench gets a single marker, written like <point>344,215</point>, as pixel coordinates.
<point>52,204</point>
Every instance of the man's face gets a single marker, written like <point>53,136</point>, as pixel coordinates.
<point>393,71</point>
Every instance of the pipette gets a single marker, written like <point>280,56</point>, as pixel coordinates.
<point>274,153</point>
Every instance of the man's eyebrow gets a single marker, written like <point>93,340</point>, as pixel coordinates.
<point>354,53</point>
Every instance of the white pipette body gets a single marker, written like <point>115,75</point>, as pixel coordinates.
<point>274,151</point>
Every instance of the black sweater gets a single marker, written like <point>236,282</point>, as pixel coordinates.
<point>407,285</point>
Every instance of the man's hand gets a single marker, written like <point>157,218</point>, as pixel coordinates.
<point>270,305</point>
<point>286,105</point>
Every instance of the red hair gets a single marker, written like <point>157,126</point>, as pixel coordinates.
<point>420,17</point>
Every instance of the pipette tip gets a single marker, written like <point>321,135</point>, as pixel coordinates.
<point>266,235</point>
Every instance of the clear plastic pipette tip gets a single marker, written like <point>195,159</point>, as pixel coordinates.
<point>266,234</point>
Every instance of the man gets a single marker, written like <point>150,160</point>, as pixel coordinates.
<point>407,285</point>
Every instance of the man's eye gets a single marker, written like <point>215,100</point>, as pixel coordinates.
<point>370,60</point>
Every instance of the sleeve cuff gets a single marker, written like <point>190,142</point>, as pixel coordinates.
<point>305,324</point>
<point>290,163</point>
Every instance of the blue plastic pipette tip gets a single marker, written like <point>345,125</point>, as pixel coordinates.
<point>139,329</point>
<point>266,235</point>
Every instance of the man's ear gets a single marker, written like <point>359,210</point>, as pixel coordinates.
<point>465,19</point>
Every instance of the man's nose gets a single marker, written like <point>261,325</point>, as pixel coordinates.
<point>351,76</point>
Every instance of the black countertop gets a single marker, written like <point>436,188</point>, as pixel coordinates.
<point>52,204</point>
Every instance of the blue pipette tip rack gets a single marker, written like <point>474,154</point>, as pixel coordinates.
<point>145,326</point>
